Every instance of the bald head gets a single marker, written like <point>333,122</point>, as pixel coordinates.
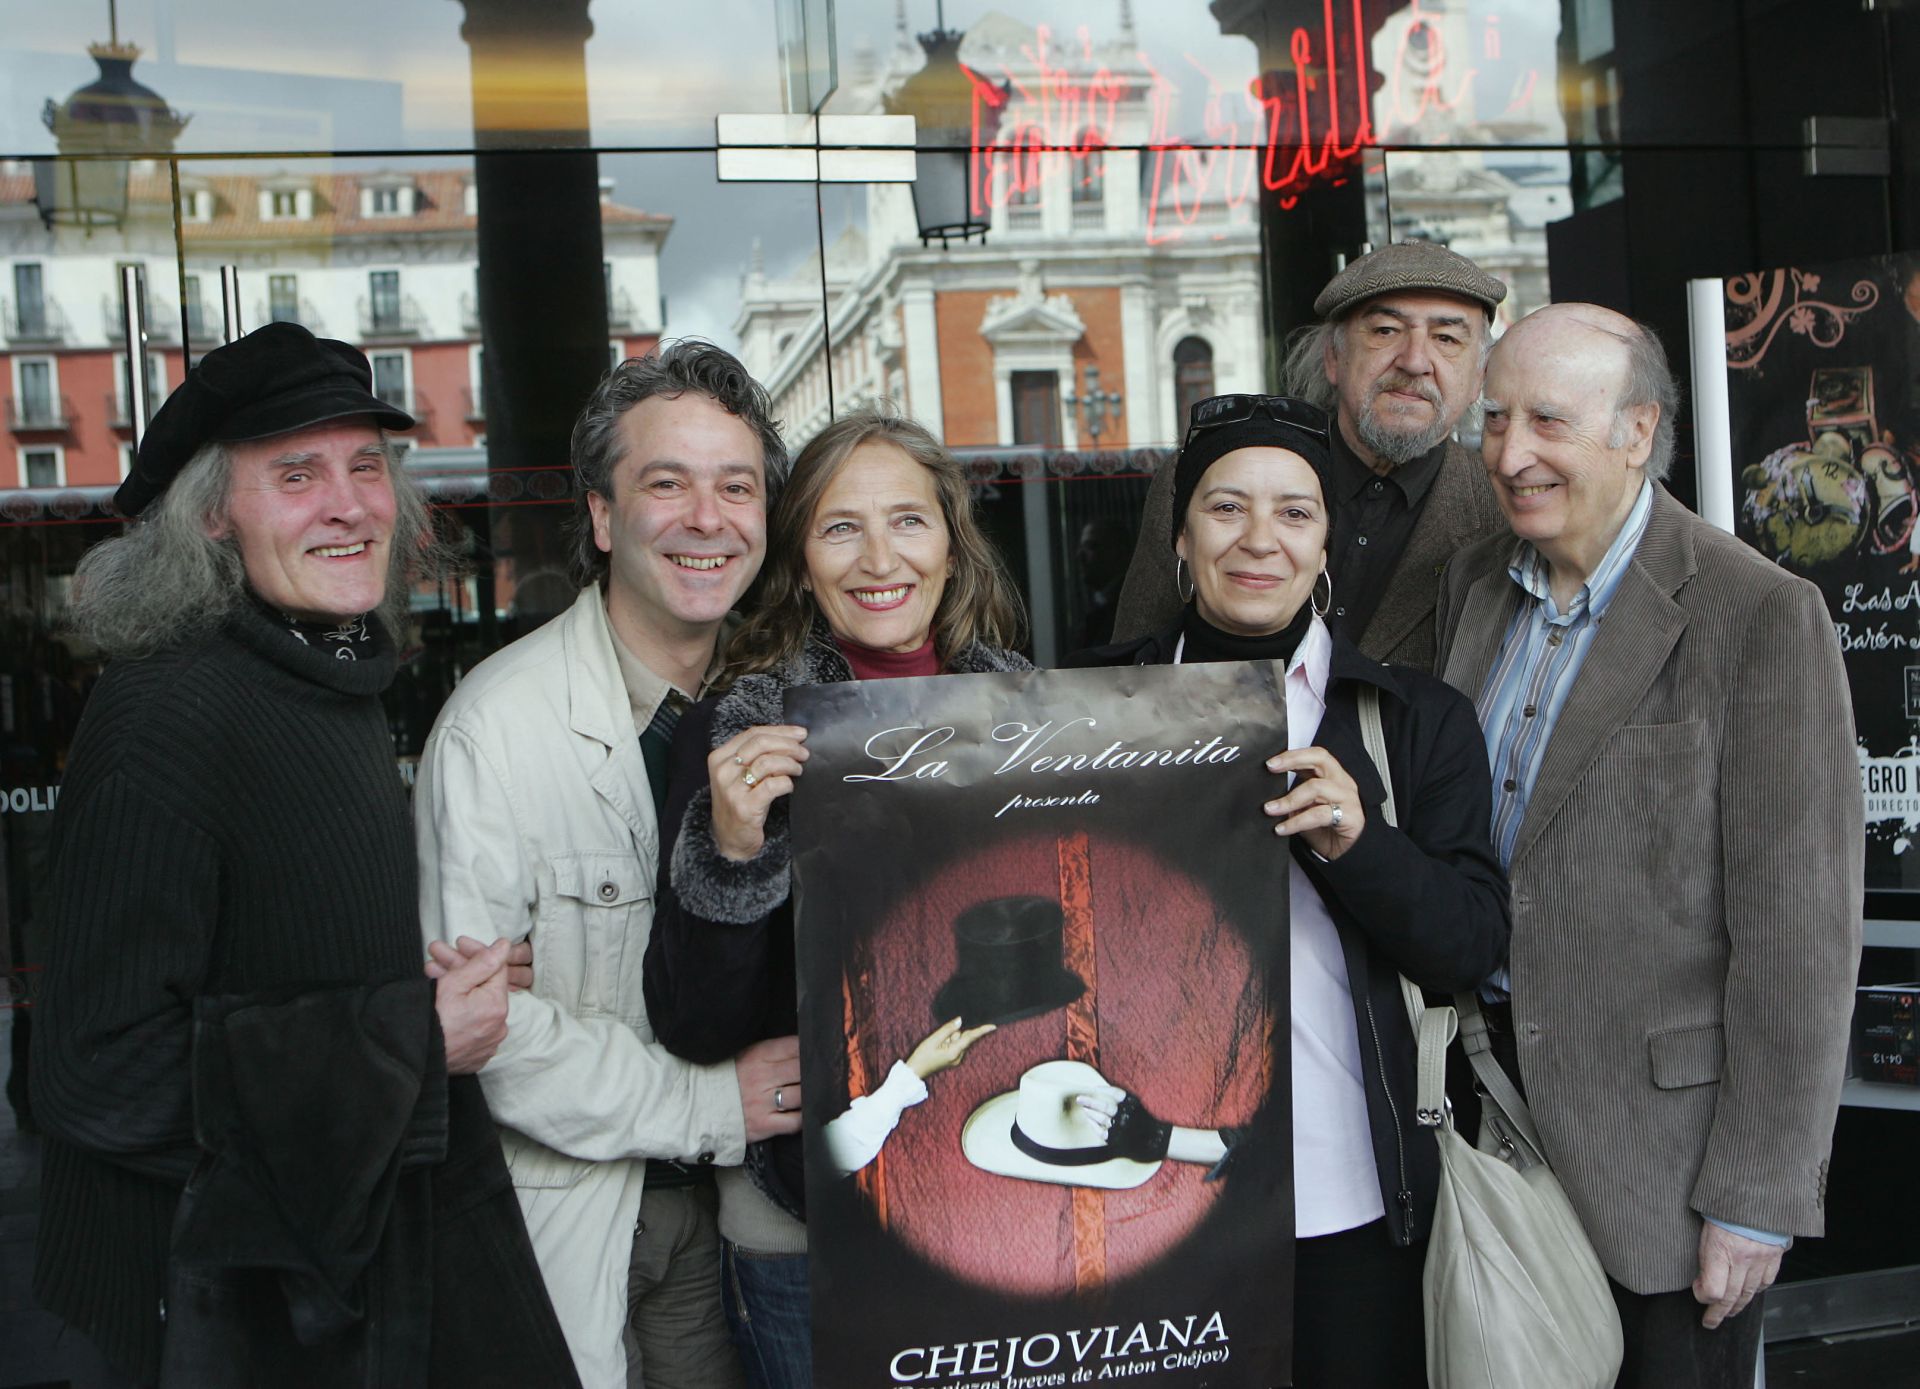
<point>1589,344</point>
<point>1578,407</point>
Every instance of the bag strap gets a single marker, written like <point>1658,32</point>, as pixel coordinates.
<point>1464,1017</point>
<point>1493,1079</point>
<point>1434,1028</point>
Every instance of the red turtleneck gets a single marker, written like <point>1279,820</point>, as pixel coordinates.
<point>869,664</point>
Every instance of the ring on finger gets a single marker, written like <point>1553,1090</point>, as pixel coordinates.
<point>749,778</point>
<point>739,761</point>
<point>779,1100</point>
<point>1338,816</point>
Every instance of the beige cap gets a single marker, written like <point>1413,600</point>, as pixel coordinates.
<point>1405,265</point>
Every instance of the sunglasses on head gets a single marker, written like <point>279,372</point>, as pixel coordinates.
<point>1219,410</point>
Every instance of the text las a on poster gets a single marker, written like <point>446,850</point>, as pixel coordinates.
<point>1823,375</point>
<point>1043,1029</point>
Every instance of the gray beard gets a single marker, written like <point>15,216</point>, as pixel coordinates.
<point>1398,446</point>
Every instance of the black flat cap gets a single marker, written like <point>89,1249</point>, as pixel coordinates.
<point>1409,265</point>
<point>275,380</point>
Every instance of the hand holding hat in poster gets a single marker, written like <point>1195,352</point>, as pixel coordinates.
<point>1066,1125</point>
<point>1009,966</point>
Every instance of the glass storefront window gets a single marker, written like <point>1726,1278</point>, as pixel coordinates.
<point>496,199</point>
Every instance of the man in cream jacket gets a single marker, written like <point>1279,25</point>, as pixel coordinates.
<point>536,817</point>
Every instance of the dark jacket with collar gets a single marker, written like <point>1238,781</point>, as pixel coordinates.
<point>719,966</point>
<point>1459,509</point>
<point>1426,899</point>
<point>256,1168</point>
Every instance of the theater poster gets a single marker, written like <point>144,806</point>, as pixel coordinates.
<point>1823,368</point>
<point>1042,929</point>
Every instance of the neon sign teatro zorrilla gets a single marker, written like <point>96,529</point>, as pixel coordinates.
<point>1280,133</point>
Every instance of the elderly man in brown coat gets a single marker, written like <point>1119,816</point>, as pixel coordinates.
<point>1396,360</point>
<point>1677,803</point>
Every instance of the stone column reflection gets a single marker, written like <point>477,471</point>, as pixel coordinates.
<point>542,291</point>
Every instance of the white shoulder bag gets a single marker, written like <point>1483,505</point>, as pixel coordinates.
<point>1515,1296</point>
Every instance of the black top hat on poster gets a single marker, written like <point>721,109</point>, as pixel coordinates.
<point>1009,951</point>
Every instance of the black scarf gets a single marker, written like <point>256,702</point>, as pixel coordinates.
<point>343,641</point>
<point>1206,642</point>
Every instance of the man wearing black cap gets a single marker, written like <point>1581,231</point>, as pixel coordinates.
<point>1397,361</point>
<point>234,992</point>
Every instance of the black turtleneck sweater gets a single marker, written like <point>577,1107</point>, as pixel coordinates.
<point>231,822</point>
<point>1206,642</point>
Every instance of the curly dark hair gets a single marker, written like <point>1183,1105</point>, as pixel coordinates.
<point>672,369</point>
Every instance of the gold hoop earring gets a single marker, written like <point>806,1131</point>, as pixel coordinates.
<point>1320,609</point>
<point>1178,565</point>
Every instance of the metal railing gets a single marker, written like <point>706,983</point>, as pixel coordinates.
<point>163,320</point>
<point>400,320</point>
<point>34,321</point>
<point>37,412</point>
<point>301,312</point>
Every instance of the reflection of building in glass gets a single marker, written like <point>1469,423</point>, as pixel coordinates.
<point>1495,216</point>
<point>382,260</point>
<point>1090,311</point>
<point>1435,60</point>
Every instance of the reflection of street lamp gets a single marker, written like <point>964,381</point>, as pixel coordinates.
<point>1099,404</point>
<point>112,115</point>
<point>940,97</point>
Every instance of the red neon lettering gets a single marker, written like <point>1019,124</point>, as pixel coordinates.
<point>1297,133</point>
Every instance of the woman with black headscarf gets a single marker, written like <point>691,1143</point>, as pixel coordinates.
<point>1369,901</point>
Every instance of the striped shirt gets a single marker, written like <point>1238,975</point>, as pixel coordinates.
<point>1540,658</point>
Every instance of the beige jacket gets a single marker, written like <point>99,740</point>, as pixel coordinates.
<point>533,817</point>
<point>1686,894</point>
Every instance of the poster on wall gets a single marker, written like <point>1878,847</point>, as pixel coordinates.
<point>1823,375</point>
<point>1042,928</point>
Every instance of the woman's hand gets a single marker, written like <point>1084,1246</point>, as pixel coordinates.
<point>747,773</point>
<point>945,1047</point>
<point>1323,807</point>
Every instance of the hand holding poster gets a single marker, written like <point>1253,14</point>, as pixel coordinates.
<point>1042,949</point>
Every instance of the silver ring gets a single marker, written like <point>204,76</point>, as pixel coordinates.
<point>779,1101</point>
<point>749,778</point>
<point>1338,816</point>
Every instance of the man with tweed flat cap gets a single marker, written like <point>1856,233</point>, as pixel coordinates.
<point>1396,360</point>
<point>267,1160</point>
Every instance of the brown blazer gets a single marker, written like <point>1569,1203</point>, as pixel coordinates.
<point>1459,509</point>
<point>1686,894</point>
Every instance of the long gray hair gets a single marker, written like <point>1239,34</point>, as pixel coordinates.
<point>167,580</point>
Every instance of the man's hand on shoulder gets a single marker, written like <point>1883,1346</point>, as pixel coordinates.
<point>471,999</point>
<point>1733,1271</point>
<point>769,1077</point>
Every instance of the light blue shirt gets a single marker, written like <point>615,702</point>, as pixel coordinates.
<point>1540,659</point>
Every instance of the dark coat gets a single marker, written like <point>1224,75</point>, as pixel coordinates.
<point>256,1168</point>
<point>1427,899</point>
<point>719,967</point>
